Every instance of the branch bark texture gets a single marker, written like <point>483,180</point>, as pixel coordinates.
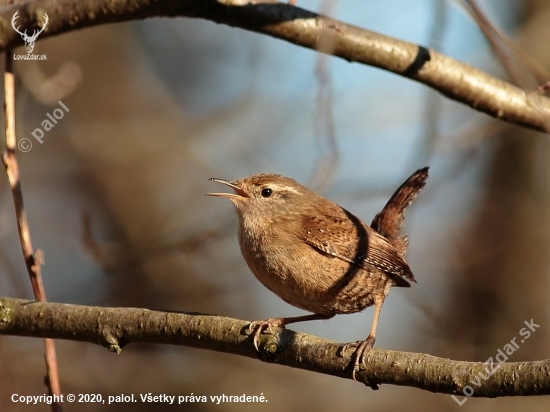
<point>454,79</point>
<point>114,328</point>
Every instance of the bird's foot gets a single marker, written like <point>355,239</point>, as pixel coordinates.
<point>362,347</point>
<point>258,326</point>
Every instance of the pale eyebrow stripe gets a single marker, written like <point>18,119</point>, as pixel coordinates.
<point>284,188</point>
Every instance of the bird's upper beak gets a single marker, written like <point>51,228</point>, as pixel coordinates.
<point>239,193</point>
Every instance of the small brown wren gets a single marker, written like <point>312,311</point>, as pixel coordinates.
<point>316,255</point>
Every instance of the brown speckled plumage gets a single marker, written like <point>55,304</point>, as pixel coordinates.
<point>317,256</point>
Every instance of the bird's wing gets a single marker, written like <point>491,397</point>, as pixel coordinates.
<point>346,237</point>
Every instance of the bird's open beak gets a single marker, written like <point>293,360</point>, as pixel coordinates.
<point>239,193</point>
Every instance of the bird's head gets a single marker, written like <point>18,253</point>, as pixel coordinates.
<point>266,195</point>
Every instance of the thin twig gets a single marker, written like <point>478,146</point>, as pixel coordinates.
<point>324,122</point>
<point>522,66</point>
<point>429,134</point>
<point>33,260</point>
<point>495,40</point>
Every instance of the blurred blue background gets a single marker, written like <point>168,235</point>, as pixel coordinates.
<point>114,197</point>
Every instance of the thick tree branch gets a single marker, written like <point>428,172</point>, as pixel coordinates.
<point>116,327</point>
<point>454,79</point>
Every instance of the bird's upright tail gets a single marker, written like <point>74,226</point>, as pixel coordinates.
<point>390,220</point>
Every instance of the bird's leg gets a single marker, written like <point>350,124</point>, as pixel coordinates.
<point>259,325</point>
<point>364,346</point>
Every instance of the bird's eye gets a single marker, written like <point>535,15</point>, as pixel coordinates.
<point>267,192</point>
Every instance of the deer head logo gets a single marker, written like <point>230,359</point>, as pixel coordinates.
<point>29,40</point>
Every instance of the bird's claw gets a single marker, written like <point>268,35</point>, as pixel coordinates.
<point>362,347</point>
<point>258,326</point>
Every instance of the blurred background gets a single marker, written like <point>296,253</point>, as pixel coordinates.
<point>115,198</point>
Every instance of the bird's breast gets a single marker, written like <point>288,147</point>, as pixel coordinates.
<point>304,276</point>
